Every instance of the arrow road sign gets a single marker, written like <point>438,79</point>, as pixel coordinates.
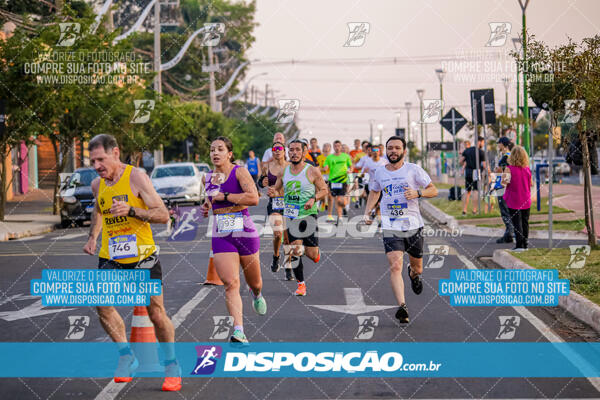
<point>355,304</point>
<point>453,121</point>
<point>33,310</point>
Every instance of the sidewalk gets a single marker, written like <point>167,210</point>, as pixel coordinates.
<point>571,197</point>
<point>29,214</point>
<point>564,195</point>
<point>451,223</point>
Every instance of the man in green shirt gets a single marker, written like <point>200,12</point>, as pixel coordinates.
<point>338,166</point>
<point>303,186</point>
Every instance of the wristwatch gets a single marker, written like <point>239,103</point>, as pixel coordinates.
<point>419,193</point>
<point>225,194</point>
<point>131,212</point>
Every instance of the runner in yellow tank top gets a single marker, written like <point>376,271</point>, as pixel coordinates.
<point>127,203</point>
<point>126,239</point>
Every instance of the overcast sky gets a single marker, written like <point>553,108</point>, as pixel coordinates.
<point>422,35</point>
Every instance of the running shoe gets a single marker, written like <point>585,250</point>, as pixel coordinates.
<point>172,382</point>
<point>330,218</point>
<point>318,256</point>
<point>127,365</point>
<point>301,291</point>
<point>238,337</point>
<point>344,212</point>
<point>402,314</point>
<point>416,283</point>
<point>259,305</point>
<point>275,265</point>
<point>289,276</point>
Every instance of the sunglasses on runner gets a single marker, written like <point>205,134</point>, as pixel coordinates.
<point>376,149</point>
<point>278,148</point>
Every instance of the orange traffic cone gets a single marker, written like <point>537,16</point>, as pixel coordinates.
<point>142,332</point>
<point>212,278</point>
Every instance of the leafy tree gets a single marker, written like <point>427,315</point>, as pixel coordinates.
<point>568,72</point>
<point>68,110</point>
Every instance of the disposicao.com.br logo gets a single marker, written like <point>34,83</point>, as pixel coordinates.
<point>323,362</point>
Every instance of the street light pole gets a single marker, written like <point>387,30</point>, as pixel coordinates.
<point>506,83</point>
<point>380,129</point>
<point>440,74</point>
<point>408,127</point>
<point>408,104</point>
<point>371,131</point>
<point>211,80</point>
<point>158,154</point>
<point>517,45</point>
<point>157,78</point>
<point>420,93</point>
<point>526,132</point>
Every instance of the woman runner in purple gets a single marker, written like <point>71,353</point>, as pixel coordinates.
<point>235,241</point>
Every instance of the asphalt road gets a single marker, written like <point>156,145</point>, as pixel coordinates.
<point>349,267</point>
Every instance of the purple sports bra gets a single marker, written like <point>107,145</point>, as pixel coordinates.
<point>272,178</point>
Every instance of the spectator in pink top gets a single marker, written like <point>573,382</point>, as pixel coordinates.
<point>517,195</point>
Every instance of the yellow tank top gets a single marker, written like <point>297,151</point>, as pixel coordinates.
<point>124,239</point>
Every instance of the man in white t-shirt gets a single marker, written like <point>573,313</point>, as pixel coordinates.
<point>401,184</point>
<point>369,165</point>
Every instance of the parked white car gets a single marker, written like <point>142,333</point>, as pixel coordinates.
<point>178,182</point>
<point>203,167</point>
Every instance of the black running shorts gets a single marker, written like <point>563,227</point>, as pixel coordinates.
<point>151,262</point>
<point>410,242</point>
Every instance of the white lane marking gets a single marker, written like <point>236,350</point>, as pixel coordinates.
<point>70,236</point>
<point>552,337</point>
<point>187,308</point>
<point>30,238</point>
<point>112,389</point>
<point>355,304</point>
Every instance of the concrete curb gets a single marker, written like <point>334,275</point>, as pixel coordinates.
<point>444,219</point>
<point>438,215</point>
<point>38,230</point>
<point>576,304</point>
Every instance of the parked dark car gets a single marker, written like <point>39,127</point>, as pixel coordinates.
<point>76,197</point>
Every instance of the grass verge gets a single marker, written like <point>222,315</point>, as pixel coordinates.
<point>571,225</point>
<point>454,208</point>
<point>585,281</point>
